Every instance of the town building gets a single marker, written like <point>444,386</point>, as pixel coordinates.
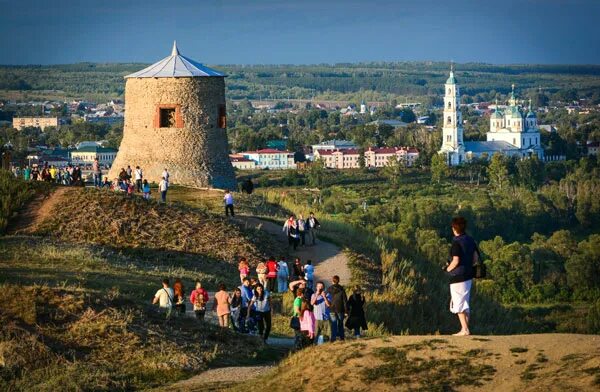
<point>86,155</point>
<point>373,157</point>
<point>332,145</point>
<point>513,132</point>
<point>271,159</point>
<point>242,163</point>
<point>37,122</point>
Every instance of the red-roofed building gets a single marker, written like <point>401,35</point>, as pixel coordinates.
<point>374,157</point>
<point>242,163</point>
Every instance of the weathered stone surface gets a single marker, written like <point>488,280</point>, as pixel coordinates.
<point>195,154</point>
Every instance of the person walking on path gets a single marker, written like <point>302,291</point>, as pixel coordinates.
<point>261,272</point>
<point>297,269</point>
<point>165,299</point>
<point>138,175</point>
<point>199,299</point>
<point>464,256</point>
<point>179,297</point>
<point>337,308</point>
<point>320,301</point>
<point>290,227</point>
<point>260,304</point>
<point>283,275</point>
<point>236,307</point>
<point>272,268</point>
<point>244,269</point>
<point>307,323</point>
<point>356,314</point>
<point>221,306</point>
<point>309,272</point>
<point>146,190</point>
<point>313,225</point>
<point>302,229</point>
<point>163,186</point>
<point>97,173</point>
<point>228,200</point>
<point>247,295</point>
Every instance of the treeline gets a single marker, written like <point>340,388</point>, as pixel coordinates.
<point>414,79</point>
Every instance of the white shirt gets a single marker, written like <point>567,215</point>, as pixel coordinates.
<point>138,174</point>
<point>163,185</point>
<point>165,297</point>
<point>165,174</point>
<point>228,199</point>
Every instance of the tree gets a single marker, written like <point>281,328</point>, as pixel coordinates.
<point>316,174</point>
<point>530,173</point>
<point>583,269</point>
<point>497,171</point>
<point>439,168</point>
<point>393,169</point>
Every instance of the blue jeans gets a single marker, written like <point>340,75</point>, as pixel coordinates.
<point>281,284</point>
<point>337,326</point>
<point>163,196</point>
<point>97,179</point>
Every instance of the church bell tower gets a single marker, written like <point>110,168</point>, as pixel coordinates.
<point>452,131</point>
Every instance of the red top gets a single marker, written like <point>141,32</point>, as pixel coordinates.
<point>272,268</point>
<point>197,292</point>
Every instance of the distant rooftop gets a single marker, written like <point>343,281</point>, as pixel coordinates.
<point>175,66</point>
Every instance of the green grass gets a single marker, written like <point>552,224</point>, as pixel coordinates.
<point>14,193</point>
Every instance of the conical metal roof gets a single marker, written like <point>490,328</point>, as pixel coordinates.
<point>175,66</point>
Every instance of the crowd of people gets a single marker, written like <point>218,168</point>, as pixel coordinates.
<point>68,175</point>
<point>318,313</point>
<point>301,231</point>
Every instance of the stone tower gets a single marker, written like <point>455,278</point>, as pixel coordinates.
<point>452,131</point>
<point>175,118</point>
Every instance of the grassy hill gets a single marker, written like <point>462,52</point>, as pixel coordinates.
<point>76,286</point>
<point>417,363</point>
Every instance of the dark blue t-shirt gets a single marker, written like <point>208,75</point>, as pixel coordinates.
<point>464,247</point>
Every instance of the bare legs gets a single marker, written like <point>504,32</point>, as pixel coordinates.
<point>224,320</point>
<point>463,317</point>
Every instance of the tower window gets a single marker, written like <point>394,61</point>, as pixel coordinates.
<point>222,121</point>
<point>168,116</point>
<point>449,120</point>
<point>449,105</point>
<point>449,138</point>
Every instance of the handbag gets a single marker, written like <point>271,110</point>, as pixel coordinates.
<point>295,323</point>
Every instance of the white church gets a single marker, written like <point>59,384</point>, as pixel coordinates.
<point>512,132</point>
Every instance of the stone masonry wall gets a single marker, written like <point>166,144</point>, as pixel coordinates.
<point>196,155</point>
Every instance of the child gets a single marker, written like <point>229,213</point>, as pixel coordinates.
<point>309,273</point>
<point>146,189</point>
<point>244,269</point>
<point>307,323</point>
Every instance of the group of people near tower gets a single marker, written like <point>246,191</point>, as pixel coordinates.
<point>69,175</point>
<point>318,313</point>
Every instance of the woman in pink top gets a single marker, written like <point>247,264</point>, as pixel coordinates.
<point>221,306</point>
<point>307,321</point>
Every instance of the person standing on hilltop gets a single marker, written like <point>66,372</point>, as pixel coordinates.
<point>163,186</point>
<point>297,269</point>
<point>228,200</point>
<point>463,256</point>
<point>179,297</point>
<point>166,175</point>
<point>128,171</point>
<point>244,269</point>
<point>261,272</point>
<point>97,173</point>
<point>309,273</point>
<point>146,190</point>
<point>302,229</point>
<point>260,306</point>
<point>247,294</point>
<point>339,304</point>
<point>138,175</point>
<point>165,298</point>
<point>320,301</point>
<point>312,226</point>
<point>221,306</point>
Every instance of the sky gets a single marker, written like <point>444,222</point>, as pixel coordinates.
<point>301,32</point>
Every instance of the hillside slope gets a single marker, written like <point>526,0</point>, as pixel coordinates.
<point>552,362</point>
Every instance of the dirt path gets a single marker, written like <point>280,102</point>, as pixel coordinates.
<point>327,258</point>
<point>37,211</point>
